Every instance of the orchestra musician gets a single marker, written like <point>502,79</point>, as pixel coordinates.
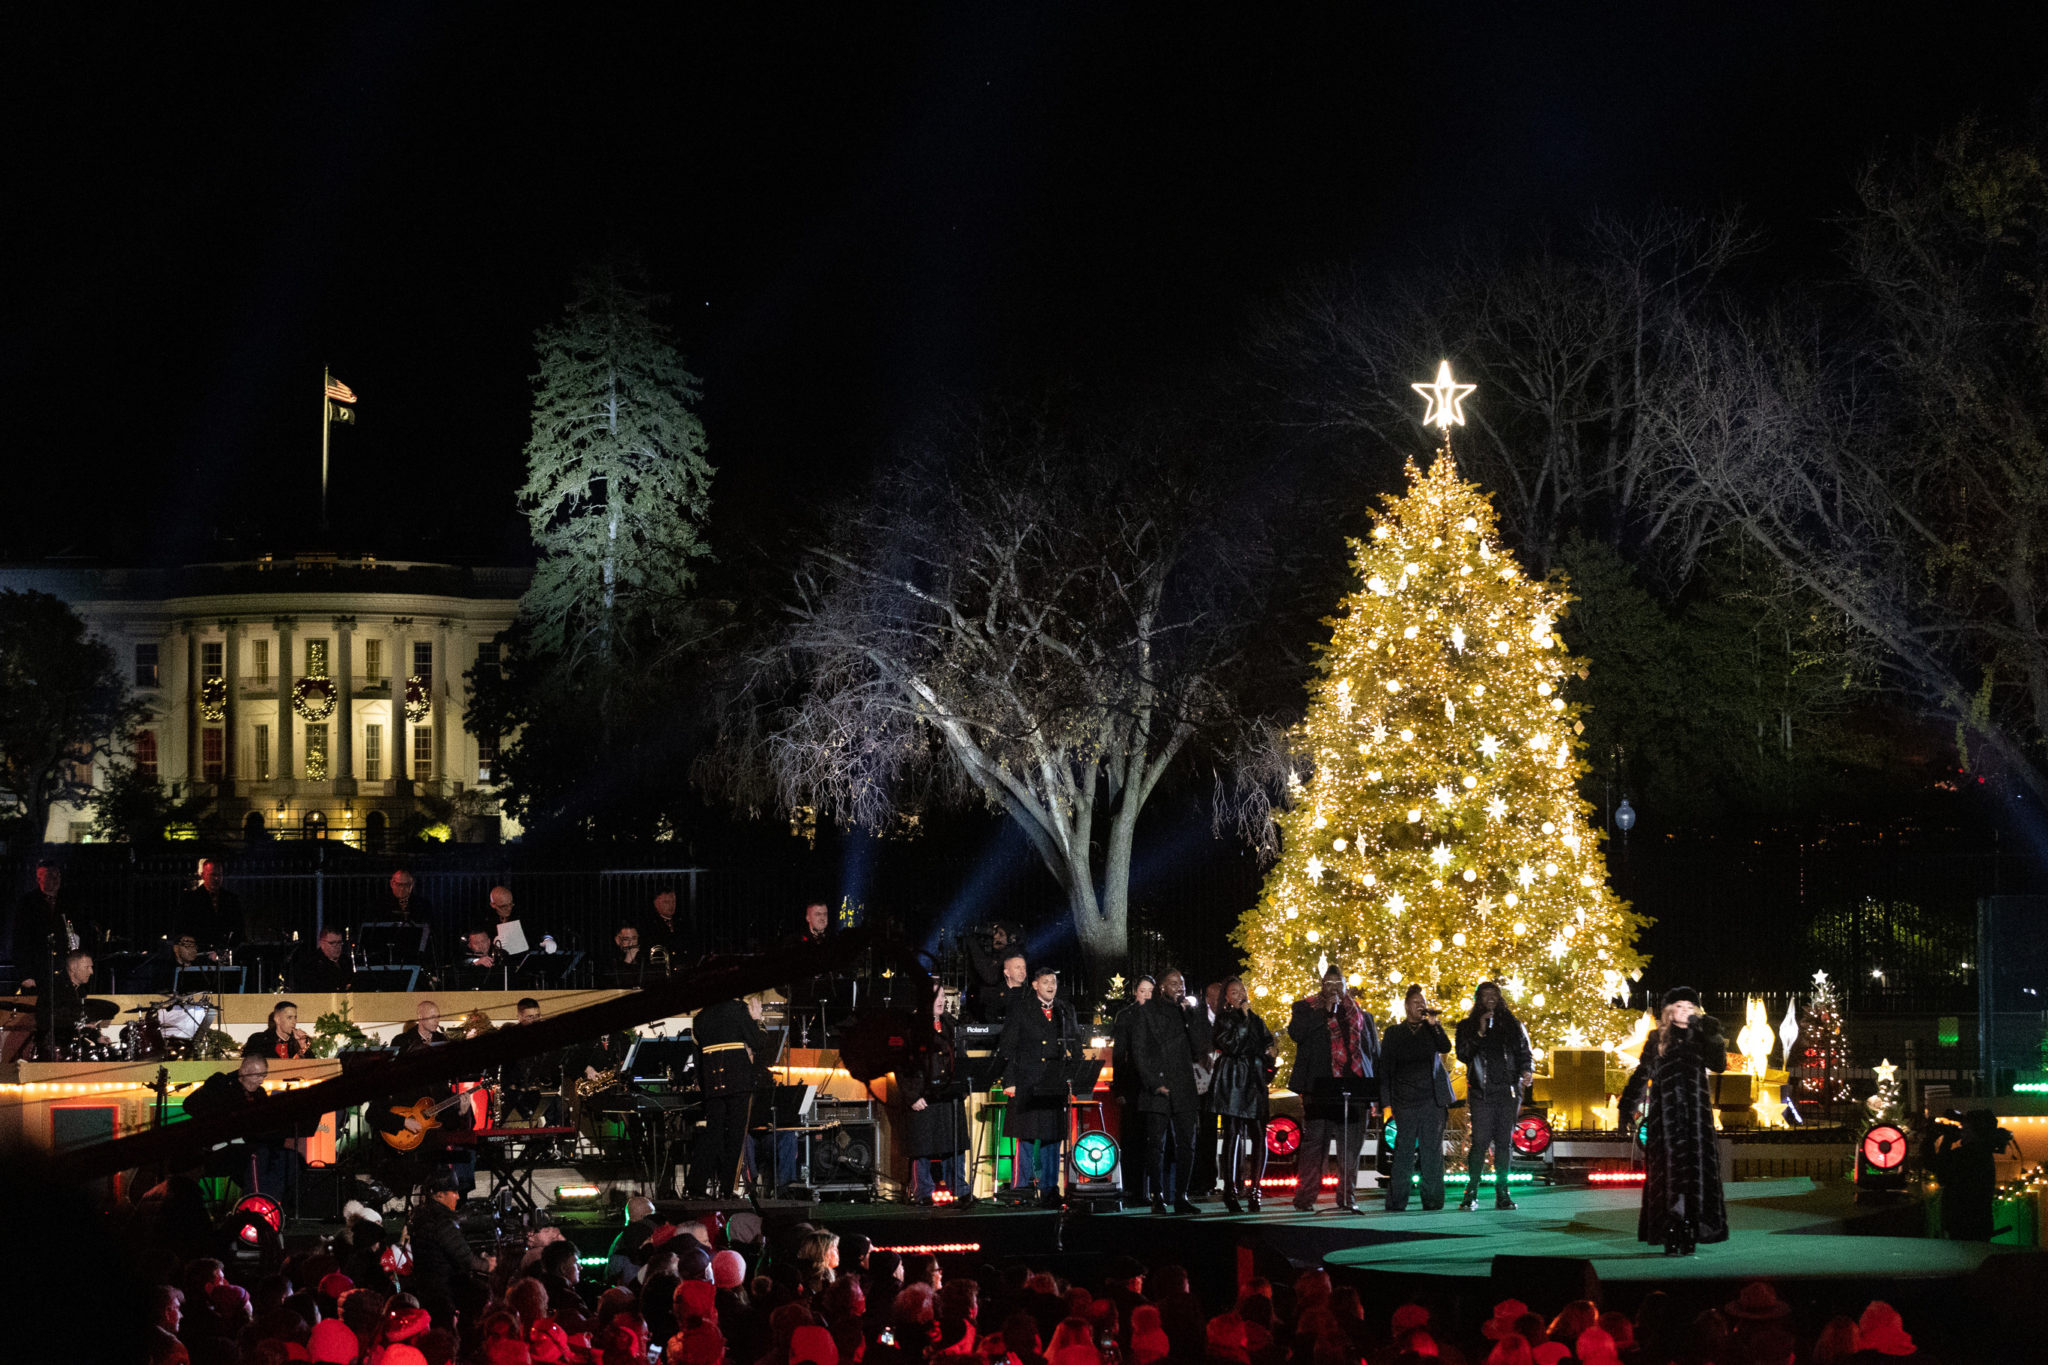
<point>60,1006</point>
<point>401,904</point>
<point>932,1094</point>
<point>1336,1050</point>
<point>1237,1092</point>
<point>178,951</point>
<point>45,928</point>
<point>664,929</point>
<point>628,965</point>
<point>1162,1044</point>
<point>258,1159</point>
<point>1415,1085</point>
<point>1124,1085</point>
<point>810,997</point>
<point>986,954</point>
<point>1038,1043</point>
<point>532,1085</point>
<point>283,1040</point>
<point>327,969</point>
<point>477,966</point>
<point>729,1042</point>
<point>209,910</point>
<point>446,1148</point>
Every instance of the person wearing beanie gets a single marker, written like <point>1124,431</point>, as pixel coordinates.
<point>728,1269</point>
<point>1882,1332</point>
<point>1682,1202</point>
<point>813,1346</point>
<point>401,1354</point>
<point>332,1343</point>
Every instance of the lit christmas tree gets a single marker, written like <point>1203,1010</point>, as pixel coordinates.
<point>1441,838</point>
<point>1824,1054</point>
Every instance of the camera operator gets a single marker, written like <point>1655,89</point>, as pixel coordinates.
<point>987,950</point>
<point>1416,1087</point>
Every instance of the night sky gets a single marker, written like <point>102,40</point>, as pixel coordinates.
<point>851,218</point>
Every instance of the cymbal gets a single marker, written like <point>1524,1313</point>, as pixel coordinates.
<point>98,1011</point>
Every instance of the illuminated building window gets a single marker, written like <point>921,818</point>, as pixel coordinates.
<point>373,753</point>
<point>79,772</point>
<point>423,660</point>
<point>373,660</point>
<point>145,666</point>
<point>423,754</point>
<point>316,753</point>
<point>259,754</point>
<point>259,662</point>
<point>486,757</point>
<point>212,659</point>
<point>211,748</point>
<point>316,658</point>
<point>145,754</point>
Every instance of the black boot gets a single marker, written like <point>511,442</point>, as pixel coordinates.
<point>1233,1160</point>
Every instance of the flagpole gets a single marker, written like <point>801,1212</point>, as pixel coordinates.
<point>326,407</point>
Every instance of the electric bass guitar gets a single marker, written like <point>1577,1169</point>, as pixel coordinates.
<point>404,1139</point>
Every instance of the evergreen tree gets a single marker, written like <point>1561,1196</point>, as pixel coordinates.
<point>617,485</point>
<point>1441,838</point>
<point>1824,1057</point>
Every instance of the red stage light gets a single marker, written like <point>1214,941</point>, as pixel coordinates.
<point>1615,1177</point>
<point>1531,1135</point>
<point>264,1207</point>
<point>1884,1147</point>
<point>1283,1136</point>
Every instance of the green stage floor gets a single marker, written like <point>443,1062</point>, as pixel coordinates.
<point>1781,1229</point>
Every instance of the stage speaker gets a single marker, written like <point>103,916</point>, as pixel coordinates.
<point>1545,1283</point>
<point>845,1156</point>
<point>319,1194</point>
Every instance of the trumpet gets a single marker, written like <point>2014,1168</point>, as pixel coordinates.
<point>591,1085</point>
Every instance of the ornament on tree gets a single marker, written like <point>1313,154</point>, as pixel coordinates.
<point>1439,836</point>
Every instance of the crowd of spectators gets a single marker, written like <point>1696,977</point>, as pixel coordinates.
<point>686,1294</point>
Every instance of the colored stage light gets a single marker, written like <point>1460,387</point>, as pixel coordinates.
<point>1095,1154</point>
<point>1884,1147</point>
<point>264,1207</point>
<point>570,1194</point>
<point>1531,1135</point>
<point>933,1248</point>
<point>1283,1136</point>
<point>1615,1177</point>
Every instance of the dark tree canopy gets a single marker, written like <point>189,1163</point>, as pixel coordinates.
<point>63,702</point>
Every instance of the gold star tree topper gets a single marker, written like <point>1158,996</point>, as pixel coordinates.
<point>1446,398</point>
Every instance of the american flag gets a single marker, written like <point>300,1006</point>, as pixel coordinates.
<point>339,391</point>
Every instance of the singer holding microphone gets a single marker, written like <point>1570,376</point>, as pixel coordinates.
<point>1336,1048</point>
<point>1417,1088</point>
<point>1499,1069</point>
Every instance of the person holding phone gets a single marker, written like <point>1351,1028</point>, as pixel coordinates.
<point>1417,1088</point>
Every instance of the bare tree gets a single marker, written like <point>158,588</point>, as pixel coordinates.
<point>1899,470</point>
<point>1568,341</point>
<point>1009,618</point>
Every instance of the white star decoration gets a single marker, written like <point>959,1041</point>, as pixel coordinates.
<point>1444,795</point>
<point>1489,746</point>
<point>1527,876</point>
<point>1497,808</point>
<point>1820,978</point>
<point>1440,855</point>
<point>1314,868</point>
<point>1446,398</point>
<point>1396,903</point>
<point>1458,638</point>
<point>1885,1071</point>
<point>1379,734</point>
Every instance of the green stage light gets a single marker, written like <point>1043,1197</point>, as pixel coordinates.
<point>1095,1154</point>
<point>2031,1088</point>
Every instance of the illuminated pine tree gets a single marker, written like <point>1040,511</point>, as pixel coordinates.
<point>1439,836</point>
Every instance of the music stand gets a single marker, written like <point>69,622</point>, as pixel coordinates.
<point>213,979</point>
<point>1343,1088</point>
<point>394,976</point>
<point>396,941</point>
<point>549,970</point>
<point>662,1060</point>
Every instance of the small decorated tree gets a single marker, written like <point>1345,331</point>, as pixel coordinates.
<point>1823,1046</point>
<point>1439,836</point>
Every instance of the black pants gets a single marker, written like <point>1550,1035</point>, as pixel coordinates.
<point>1244,1155</point>
<point>1170,1181</point>
<point>1492,1129</point>
<point>1203,1178</point>
<point>1326,1126</point>
<point>1138,1145</point>
<point>1419,1131</point>
<point>717,1158</point>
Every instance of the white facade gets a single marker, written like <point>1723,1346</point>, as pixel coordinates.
<point>216,650</point>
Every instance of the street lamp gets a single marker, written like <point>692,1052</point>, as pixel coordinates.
<point>1624,816</point>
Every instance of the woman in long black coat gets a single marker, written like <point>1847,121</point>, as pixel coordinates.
<point>934,1118</point>
<point>1682,1203</point>
<point>1237,1091</point>
<point>1039,1037</point>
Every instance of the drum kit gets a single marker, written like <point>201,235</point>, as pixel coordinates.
<point>173,1029</point>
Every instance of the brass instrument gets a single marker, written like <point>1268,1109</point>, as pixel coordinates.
<point>591,1085</point>
<point>657,957</point>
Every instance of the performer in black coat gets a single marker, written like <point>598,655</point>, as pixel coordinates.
<point>730,1043</point>
<point>1682,1204</point>
<point>445,1272</point>
<point>1499,1068</point>
<point>401,904</point>
<point>324,967</point>
<point>210,911</point>
<point>986,953</point>
<point>1166,1092</point>
<point>665,929</point>
<point>1244,1049</point>
<point>1039,1039</point>
<point>1416,1087</point>
<point>933,1122</point>
<point>1124,1086</point>
<point>258,1159</point>
<point>533,1084</point>
<point>60,1004</point>
<point>992,1003</point>
<point>1336,1044</point>
<point>46,927</point>
<point>283,1040</point>
<point>437,1152</point>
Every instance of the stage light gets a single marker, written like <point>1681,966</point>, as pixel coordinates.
<point>1283,1136</point>
<point>933,1248</point>
<point>571,1194</point>
<point>1616,1177</point>
<point>264,1207</point>
<point>1531,1135</point>
<point>1881,1160</point>
<point>1095,1155</point>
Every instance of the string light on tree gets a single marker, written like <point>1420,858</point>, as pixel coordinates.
<point>1443,781</point>
<point>1824,1048</point>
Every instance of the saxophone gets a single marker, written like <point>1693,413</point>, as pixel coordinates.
<point>591,1085</point>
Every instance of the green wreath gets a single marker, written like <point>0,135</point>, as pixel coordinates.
<point>313,698</point>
